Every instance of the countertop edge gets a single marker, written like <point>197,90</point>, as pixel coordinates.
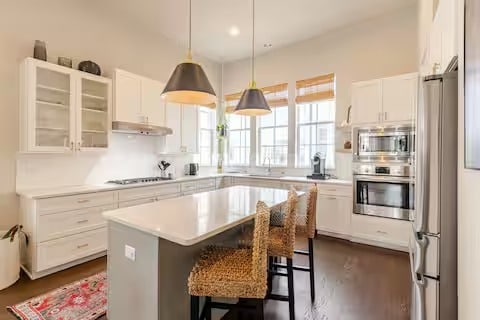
<point>84,189</point>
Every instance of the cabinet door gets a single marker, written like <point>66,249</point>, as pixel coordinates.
<point>366,102</point>
<point>93,113</point>
<point>448,17</point>
<point>128,97</point>
<point>399,97</point>
<point>333,214</point>
<point>50,107</point>
<point>153,106</point>
<point>435,45</point>
<point>173,119</point>
<point>189,129</point>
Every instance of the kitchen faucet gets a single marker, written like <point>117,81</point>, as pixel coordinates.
<point>269,169</point>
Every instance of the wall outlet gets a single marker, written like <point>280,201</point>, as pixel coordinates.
<point>130,252</point>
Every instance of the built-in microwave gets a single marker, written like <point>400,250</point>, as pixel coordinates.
<point>390,143</point>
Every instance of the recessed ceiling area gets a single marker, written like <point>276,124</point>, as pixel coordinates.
<point>222,28</point>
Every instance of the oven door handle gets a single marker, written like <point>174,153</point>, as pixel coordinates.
<point>384,179</point>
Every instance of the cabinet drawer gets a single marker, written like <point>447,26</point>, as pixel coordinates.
<point>335,190</point>
<point>390,231</point>
<point>56,225</point>
<point>206,184</point>
<point>136,202</point>
<point>147,192</point>
<point>189,186</point>
<point>57,252</point>
<point>60,204</point>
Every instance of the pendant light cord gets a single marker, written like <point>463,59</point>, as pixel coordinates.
<point>189,54</point>
<point>253,85</point>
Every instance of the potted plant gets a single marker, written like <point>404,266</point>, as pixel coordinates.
<point>222,130</point>
<point>10,255</point>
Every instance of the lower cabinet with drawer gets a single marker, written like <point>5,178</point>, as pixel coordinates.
<point>384,232</point>
<point>333,215</point>
<point>63,231</point>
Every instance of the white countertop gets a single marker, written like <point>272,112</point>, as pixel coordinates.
<point>41,193</point>
<point>191,219</point>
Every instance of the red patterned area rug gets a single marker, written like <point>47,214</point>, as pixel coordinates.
<point>82,300</point>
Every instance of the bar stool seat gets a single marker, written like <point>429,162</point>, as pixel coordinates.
<point>225,272</point>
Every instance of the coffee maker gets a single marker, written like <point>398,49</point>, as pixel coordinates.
<point>318,164</point>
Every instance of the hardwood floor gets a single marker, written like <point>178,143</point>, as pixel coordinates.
<point>353,282</point>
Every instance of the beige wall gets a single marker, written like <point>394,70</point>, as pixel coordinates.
<point>376,48</point>
<point>468,212</point>
<point>76,29</point>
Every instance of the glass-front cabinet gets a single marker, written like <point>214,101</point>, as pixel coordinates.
<point>62,109</point>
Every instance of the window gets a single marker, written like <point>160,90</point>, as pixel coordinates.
<point>238,142</point>
<point>207,135</point>
<point>272,131</point>
<point>273,138</point>
<point>315,102</point>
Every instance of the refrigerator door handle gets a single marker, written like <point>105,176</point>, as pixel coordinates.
<point>421,243</point>
<point>418,310</point>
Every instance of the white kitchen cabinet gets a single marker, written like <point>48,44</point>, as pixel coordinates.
<point>386,100</point>
<point>63,110</point>
<point>366,102</point>
<point>183,120</point>
<point>333,214</point>
<point>389,233</point>
<point>399,97</point>
<point>138,99</point>
<point>189,129</point>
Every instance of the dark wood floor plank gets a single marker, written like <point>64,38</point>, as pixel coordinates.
<point>353,282</point>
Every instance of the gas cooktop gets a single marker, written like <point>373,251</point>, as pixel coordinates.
<point>139,180</point>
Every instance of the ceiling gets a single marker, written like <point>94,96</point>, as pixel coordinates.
<point>278,22</point>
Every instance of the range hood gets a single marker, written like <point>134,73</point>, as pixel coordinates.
<point>140,128</point>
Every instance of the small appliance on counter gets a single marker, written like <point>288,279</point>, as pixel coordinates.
<point>191,169</point>
<point>318,164</point>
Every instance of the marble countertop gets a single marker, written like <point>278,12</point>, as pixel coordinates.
<point>191,219</point>
<point>41,193</point>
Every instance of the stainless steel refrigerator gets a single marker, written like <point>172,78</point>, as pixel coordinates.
<point>433,243</point>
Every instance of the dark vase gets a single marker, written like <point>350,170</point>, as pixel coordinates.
<point>90,67</point>
<point>40,50</point>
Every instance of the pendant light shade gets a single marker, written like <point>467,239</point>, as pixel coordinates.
<point>252,102</point>
<point>188,83</point>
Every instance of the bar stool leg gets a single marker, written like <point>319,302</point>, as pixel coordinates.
<point>291,291</point>
<point>312,269</point>
<point>270,276</point>
<point>259,310</point>
<point>194,307</point>
<point>208,308</point>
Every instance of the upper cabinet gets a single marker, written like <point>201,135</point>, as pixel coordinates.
<point>441,42</point>
<point>138,99</point>
<point>183,120</point>
<point>386,100</point>
<point>62,109</point>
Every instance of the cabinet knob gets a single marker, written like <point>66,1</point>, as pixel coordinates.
<point>79,146</point>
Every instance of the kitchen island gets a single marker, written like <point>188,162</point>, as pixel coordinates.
<point>153,247</point>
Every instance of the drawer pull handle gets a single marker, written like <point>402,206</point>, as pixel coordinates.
<point>82,221</point>
<point>332,190</point>
<point>382,232</point>
<point>82,246</point>
<point>83,201</point>
<point>331,198</point>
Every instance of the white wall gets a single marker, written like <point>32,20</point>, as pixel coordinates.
<point>468,210</point>
<point>83,31</point>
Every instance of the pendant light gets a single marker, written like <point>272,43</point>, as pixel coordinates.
<point>188,83</point>
<point>252,102</point>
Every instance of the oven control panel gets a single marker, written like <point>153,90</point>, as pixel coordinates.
<point>397,170</point>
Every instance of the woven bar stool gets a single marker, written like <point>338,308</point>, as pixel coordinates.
<point>232,273</point>
<point>281,243</point>
<point>305,227</point>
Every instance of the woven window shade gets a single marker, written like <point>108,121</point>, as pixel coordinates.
<point>316,89</point>
<point>277,95</point>
<point>231,101</point>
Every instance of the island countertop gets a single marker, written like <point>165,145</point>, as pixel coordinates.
<point>191,219</point>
